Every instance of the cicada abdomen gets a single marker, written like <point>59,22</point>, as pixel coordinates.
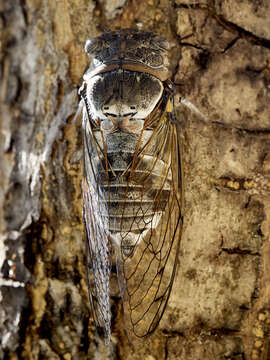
<point>132,176</point>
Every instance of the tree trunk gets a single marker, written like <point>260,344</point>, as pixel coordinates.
<point>219,307</point>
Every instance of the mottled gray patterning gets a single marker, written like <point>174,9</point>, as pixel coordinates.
<point>132,177</point>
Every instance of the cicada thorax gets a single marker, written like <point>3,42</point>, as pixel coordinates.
<point>130,172</point>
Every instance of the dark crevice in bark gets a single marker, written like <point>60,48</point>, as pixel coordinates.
<point>24,11</point>
<point>264,133</point>
<point>256,293</point>
<point>186,44</point>
<point>24,323</point>
<point>32,234</point>
<point>248,202</point>
<point>60,95</point>
<point>238,251</point>
<point>173,333</point>
<point>166,352</point>
<point>260,233</point>
<point>257,132</point>
<point>242,33</point>
<point>244,307</point>
<point>118,351</point>
<point>228,25</point>
<point>230,44</point>
<point>85,341</point>
<point>33,246</point>
<point>235,356</point>
<point>204,332</point>
<point>223,331</point>
<point>204,58</point>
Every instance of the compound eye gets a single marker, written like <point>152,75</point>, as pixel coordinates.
<point>133,107</point>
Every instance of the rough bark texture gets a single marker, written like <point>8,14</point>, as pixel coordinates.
<point>219,308</point>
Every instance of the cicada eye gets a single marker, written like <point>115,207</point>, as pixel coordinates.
<point>96,62</point>
<point>94,46</point>
<point>91,45</point>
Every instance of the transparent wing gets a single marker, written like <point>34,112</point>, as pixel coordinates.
<point>148,269</point>
<point>136,213</point>
<point>97,243</point>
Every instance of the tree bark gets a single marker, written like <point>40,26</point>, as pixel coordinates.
<point>220,56</point>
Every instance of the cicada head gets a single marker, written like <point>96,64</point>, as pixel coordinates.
<point>129,49</point>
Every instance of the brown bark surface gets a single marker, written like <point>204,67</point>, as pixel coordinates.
<point>220,303</point>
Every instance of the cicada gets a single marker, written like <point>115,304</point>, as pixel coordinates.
<point>132,182</point>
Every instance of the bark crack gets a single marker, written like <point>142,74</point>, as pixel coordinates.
<point>238,251</point>
<point>230,44</point>
<point>197,47</point>
<point>263,133</point>
<point>228,25</point>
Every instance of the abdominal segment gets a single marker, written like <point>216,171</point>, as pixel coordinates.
<point>131,190</point>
